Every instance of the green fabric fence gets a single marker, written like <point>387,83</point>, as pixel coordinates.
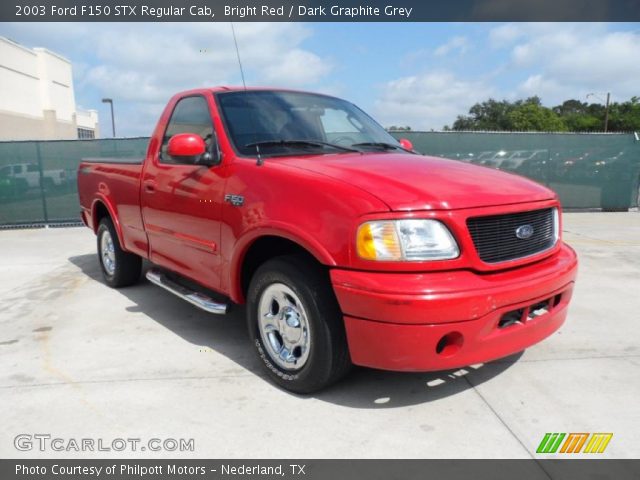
<point>586,170</point>
<point>38,178</point>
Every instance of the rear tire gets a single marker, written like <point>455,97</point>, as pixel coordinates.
<point>296,326</point>
<point>119,268</point>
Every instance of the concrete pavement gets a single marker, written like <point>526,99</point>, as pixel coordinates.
<point>80,360</point>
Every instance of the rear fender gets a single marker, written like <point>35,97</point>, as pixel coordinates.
<point>104,201</point>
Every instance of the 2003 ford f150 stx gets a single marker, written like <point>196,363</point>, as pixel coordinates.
<point>346,246</point>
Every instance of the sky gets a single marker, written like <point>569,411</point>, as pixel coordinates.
<point>418,74</point>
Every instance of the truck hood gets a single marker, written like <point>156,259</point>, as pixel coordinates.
<point>415,182</point>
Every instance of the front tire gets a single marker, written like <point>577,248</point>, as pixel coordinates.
<point>296,326</point>
<point>119,268</point>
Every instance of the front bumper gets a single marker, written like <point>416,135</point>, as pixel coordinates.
<point>442,320</point>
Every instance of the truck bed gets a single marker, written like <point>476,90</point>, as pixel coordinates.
<point>116,182</point>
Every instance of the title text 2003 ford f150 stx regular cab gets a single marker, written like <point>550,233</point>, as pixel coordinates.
<point>346,246</point>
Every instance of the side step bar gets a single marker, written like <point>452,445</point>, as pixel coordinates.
<point>198,299</point>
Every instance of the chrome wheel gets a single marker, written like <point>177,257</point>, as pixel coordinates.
<point>284,327</point>
<point>108,253</point>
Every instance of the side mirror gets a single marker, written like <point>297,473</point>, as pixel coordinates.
<point>186,145</point>
<point>406,144</point>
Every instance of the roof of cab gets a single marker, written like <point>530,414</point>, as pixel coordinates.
<point>239,88</point>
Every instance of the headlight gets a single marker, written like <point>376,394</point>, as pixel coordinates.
<point>405,240</point>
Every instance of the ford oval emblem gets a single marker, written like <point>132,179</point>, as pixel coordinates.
<point>524,231</point>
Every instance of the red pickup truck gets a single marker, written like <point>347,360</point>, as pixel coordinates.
<point>346,245</point>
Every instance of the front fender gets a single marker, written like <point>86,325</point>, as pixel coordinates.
<point>277,229</point>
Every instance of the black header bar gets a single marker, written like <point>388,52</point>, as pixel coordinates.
<point>319,10</point>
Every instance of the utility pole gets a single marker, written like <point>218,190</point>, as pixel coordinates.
<point>606,114</point>
<point>606,109</point>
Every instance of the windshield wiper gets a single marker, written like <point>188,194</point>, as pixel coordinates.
<point>302,143</point>
<point>383,145</point>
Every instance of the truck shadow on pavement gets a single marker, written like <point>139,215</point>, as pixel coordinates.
<point>227,335</point>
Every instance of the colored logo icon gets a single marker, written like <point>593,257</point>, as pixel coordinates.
<point>574,443</point>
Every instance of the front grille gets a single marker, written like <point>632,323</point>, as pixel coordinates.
<point>495,236</point>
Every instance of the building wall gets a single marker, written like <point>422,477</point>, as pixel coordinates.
<point>21,127</point>
<point>20,92</point>
<point>37,99</point>
<point>88,119</point>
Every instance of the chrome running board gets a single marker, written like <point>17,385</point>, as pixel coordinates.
<point>198,299</point>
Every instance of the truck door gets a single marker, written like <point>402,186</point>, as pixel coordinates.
<point>181,201</point>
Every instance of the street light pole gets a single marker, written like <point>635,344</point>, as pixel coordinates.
<point>113,120</point>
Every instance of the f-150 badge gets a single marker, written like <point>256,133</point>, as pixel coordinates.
<point>235,200</point>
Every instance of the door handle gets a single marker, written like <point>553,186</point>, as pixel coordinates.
<point>149,187</point>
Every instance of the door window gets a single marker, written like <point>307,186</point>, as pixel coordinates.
<point>190,115</point>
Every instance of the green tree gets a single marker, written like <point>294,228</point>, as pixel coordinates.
<point>571,107</point>
<point>531,116</point>
<point>522,115</point>
<point>488,115</point>
<point>580,116</point>
<point>625,117</point>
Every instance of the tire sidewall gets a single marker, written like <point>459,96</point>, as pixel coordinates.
<point>107,227</point>
<point>316,367</point>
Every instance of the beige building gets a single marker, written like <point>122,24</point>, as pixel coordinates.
<point>37,101</point>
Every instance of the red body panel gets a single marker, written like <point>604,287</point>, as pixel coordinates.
<point>415,182</point>
<point>116,187</point>
<point>395,321</point>
<point>454,296</point>
<point>395,312</point>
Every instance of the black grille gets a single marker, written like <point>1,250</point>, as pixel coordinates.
<point>495,237</point>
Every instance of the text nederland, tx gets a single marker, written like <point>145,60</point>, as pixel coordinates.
<point>170,469</point>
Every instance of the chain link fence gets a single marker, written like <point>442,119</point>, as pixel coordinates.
<point>38,178</point>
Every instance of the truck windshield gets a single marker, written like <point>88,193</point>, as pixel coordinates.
<point>287,123</point>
